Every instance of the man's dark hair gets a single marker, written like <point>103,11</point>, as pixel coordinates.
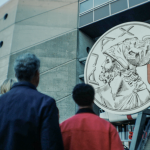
<point>83,94</point>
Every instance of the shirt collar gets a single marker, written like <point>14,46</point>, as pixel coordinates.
<point>23,83</point>
<point>85,110</point>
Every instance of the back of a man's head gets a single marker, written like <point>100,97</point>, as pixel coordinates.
<point>25,66</point>
<point>83,94</point>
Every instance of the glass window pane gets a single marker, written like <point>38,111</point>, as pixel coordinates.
<point>135,2</point>
<point>86,5</point>
<point>118,6</point>
<point>101,12</point>
<point>99,2</point>
<point>87,18</point>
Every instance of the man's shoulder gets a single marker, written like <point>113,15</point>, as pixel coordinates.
<point>85,118</point>
<point>43,95</point>
<point>65,125</point>
<point>44,98</point>
<point>89,116</point>
<point>69,120</point>
<point>28,95</point>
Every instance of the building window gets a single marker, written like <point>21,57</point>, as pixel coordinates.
<point>5,16</point>
<point>86,5</point>
<point>101,12</point>
<point>100,2</point>
<point>119,5</point>
<point>135,2</point>
<point>1,44</point>
<point>85,19</point>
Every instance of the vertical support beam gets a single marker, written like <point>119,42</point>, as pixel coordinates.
<point>138,130</point>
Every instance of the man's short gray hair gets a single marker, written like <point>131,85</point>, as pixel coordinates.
<point>25,66</point>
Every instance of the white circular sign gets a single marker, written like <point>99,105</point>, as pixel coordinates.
<point>117,68</point>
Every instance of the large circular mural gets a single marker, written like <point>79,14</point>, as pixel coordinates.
<point>117,68</point>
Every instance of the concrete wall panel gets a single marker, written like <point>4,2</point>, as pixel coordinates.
<point>66,108</point>
<point>84,42</point>
<point>59,81</point>
<point>47,28</point>
<point>4,63</point>
<point>44,26</point>
<point>6,36</point>
<point>79,71</point>
<point>28,8</point>
<point>51,53</point>
<point>10,8</point>
<point>3,74</point>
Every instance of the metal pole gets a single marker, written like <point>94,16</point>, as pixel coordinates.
<point>138,131</point>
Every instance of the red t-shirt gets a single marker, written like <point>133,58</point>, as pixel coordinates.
<point>86,131</point>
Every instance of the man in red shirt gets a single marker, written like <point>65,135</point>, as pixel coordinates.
<point>85,130</point>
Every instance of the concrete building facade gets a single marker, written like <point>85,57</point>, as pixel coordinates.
<point>49,29</point>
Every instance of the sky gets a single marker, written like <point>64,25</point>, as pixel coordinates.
<point>2,2</point>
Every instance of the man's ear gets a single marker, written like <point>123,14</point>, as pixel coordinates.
<point>37,74</point>
<point>35,79</point>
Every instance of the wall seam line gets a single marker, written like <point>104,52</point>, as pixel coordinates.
<point>39,43</point>
<point>46,11</point>
<point>58,66</point>
<point>59,100</point>
<point>34,15</point>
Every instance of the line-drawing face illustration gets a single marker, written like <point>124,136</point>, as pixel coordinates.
<point>118,85</point>
<point>120,67</point>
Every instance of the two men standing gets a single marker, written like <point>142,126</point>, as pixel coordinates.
<point>29,119</point>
